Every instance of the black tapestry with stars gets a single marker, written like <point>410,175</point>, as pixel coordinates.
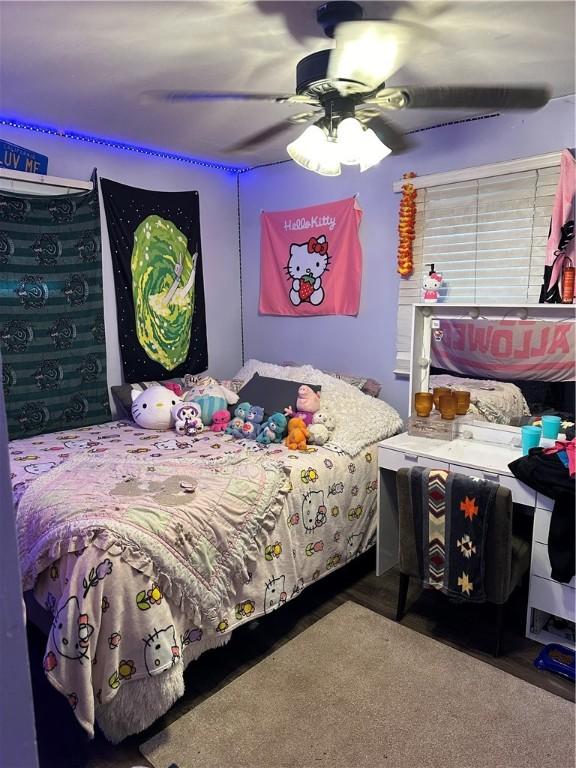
<point>157,258</point>
<point>51,312</point>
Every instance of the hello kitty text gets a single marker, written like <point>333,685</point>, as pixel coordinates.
<point>326,222</point>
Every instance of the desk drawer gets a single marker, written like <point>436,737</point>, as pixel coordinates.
<point>541,525</point>
<point>521,494</point>
<point>541,566</point>
<point>394,460</point>
<point>552,597</point>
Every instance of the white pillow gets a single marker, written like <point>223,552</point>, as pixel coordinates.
<point>288,372</point>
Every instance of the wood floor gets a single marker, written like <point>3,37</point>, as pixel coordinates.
<point>61,741</point>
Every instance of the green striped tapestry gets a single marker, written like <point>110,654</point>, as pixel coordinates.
<point>51,312</point>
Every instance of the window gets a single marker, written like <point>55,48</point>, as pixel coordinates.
<point>485,234</point>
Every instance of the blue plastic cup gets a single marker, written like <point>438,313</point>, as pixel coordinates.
<point>530,438</point>
<point>550,427</point>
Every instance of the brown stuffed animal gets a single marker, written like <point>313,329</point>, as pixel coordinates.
<point>297,435</point>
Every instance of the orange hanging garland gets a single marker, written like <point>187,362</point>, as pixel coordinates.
<point>406,224</point>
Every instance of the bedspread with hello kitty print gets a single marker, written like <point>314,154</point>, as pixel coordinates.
<point>118,614</point>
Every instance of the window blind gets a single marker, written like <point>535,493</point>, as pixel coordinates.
<point>486,237</point>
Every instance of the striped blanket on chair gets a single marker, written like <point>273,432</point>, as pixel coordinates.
<point>451,513</point>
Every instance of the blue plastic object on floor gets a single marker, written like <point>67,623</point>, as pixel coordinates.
<point>558,659</point>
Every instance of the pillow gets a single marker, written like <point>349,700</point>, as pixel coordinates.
<point>122,394</point>
<point>271,394</point>
<point>369,387</point>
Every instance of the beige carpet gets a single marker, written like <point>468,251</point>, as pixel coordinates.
<point>356,689</point>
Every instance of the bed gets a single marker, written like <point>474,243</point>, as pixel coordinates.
<point>149,548</point>
<point>498,402</point>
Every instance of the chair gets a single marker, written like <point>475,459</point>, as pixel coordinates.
<point>506,556</point>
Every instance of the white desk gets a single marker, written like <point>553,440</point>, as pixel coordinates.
<point>479,459</point>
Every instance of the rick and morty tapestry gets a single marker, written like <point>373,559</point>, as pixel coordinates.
<point>156,255</point>
<point>51,312</point>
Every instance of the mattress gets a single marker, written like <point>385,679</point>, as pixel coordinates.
<point>122,633</point>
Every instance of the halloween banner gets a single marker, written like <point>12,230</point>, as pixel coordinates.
<point>536,350</point>
<point>51,312</point>
<point>311,260</point>
<point>157,260</point>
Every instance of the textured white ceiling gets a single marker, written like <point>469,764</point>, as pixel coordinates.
<point>82,65</point>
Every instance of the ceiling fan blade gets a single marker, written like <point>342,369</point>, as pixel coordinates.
<point>176,97</point>
<point>370,52</point>
<point>387,133</point>
<point>475,97</point>
<point>271,132</point>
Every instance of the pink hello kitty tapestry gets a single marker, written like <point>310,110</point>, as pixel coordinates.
<point>311,260</point>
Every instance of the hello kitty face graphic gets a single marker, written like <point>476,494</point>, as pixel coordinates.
<point>161,650</point>
<point>274,595</point>
<point>313,510</point>
<point>353,545</point>
<point>306,265</point>
<point>40,467</point>
<point>71,631</point>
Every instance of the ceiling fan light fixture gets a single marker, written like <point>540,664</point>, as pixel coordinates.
<point>328,160</point>
<point>313,151</point>
<point>350,138</point>
<point>372,150</point>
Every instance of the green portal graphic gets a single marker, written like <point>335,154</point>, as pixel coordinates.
<point>163,273</point>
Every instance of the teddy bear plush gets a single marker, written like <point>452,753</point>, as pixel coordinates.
<point>187,418</point>
<point>273,430</point>
<point>307,403</point>
<point>234,427</point>
<point>297,434</point>
<point>321,427</point>
<point>253,424</point>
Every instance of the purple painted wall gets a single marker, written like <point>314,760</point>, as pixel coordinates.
<point>17,734</point>
<point>366,344</point>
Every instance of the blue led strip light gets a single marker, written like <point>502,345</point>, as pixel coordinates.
<point>150,151</point>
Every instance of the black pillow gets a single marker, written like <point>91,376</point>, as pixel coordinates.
<point>271,394</point>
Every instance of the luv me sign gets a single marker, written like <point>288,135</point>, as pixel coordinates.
<point>20,159</point>
<point>538,350</point>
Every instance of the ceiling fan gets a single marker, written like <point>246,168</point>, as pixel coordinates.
<point>349,81</point>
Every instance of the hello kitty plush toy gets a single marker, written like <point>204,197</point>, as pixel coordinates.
<point>306,265</point>
<point>152,408</point>
<point>430,286</point>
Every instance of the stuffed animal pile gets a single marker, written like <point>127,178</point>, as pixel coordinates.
<point>160,408</point>
<point>248,423</point>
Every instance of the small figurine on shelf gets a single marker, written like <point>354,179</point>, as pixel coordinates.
<point>431,285</point>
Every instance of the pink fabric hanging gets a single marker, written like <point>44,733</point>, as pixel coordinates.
<point>311,260</point>
<point>560,243</point>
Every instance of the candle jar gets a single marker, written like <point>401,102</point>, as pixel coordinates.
<point>447,406</point>
<point>423,403</point>
<point>437,392</point>
<point>462,398</point>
